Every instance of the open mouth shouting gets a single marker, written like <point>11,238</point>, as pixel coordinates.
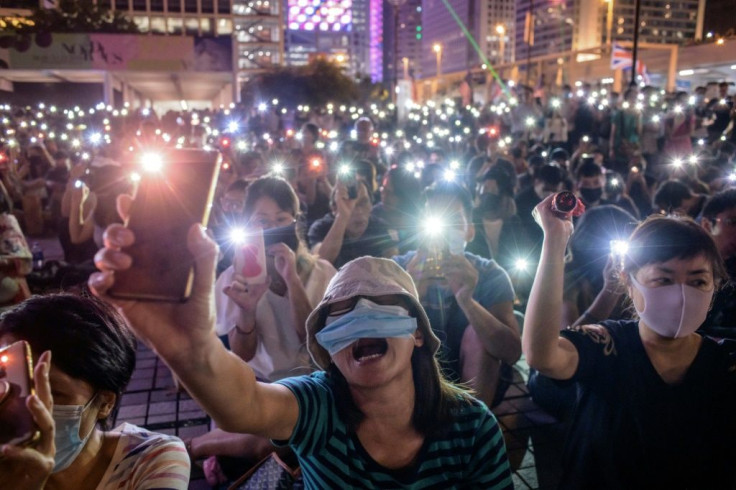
<point>367,350</point>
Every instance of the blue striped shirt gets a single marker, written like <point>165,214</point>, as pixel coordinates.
<point>470,454</point>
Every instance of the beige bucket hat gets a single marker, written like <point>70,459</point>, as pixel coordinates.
<point>366,276</point>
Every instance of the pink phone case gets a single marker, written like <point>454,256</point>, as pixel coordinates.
<point>250,259</point>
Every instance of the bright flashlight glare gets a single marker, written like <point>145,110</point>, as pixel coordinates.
<point>152,162</point>
<point>530,121</point>
<point>614,182</point>
<point>521,264</point>
<point>4,358</point>
<point>619,247</point>
<point>678,109</point>
<point>433,226</point>
<point>237,236</point>
<point>454,165</point>
<point>388,151</point>
<point>233,126</point>
<point>343,169</point>
<point>262,107</point>
<point>278,168</point>
<point>732,177</point>
<point>449,175</point>
<point>135,177</point>
<point>693,160</point>
<point>95,138</point>
<point>677,162</point>
<point>555,103</point>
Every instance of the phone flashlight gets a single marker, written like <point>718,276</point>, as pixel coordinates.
<point>521,264</point>
<point>238,236</point>
<point>78,184</point>
<point>152,162</point>
<point>619,248</point>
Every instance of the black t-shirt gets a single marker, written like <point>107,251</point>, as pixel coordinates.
<point>374,241</point>
<point>632,430</point>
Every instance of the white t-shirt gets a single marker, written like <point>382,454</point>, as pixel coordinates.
<point>146,460</point>
<point>280,352</point>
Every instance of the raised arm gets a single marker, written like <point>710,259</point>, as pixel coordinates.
<point>330,247</point>
<point>545,350</point>
<point>183,335</point>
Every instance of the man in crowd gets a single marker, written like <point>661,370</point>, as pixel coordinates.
<point>468,299</point>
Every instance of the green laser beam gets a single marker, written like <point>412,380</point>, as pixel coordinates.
<point>473,42</point>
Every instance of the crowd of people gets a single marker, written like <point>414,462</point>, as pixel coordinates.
<point>385,333</point>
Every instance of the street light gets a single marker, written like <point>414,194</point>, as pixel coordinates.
<point>501,31</point>
<point>437,48</point>
<point>609,24</point>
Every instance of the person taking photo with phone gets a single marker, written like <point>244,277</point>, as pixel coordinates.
<point>656,400</point>
<point>85,357</point>
<point>379,415</point>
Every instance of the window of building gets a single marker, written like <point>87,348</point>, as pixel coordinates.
<point>223,6</point>
<point>142,23</point>
<point>206,27</point>
<point>224,27</point>
<point>106,4</point>
<point>191,27</point>
<point>139,5</point>
<point>157,5</point>
<point>176,25</point>
<point>158,25</point>
<point>121,5</point>
<point>190,5</point>
<point>174,5</point>
<point>208,6</point>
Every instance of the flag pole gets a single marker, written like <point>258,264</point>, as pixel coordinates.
<point>635,50</point>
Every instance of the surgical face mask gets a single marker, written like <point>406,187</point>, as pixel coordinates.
<point>68,419</point>
<point>368,320</point>
<point>673,311</point>
<point>591,194</point>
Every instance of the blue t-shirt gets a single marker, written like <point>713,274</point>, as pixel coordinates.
<point>447,318</point>
<point>470,454</point>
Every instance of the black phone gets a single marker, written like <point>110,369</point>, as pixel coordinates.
<point>16,384</point>
<point>348,177</point>
<point>171,196</point>
<point>283,234</point>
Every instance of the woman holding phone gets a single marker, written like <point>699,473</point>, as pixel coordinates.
<point>264,321</point>
<point>657,400</point>
<point>85,356</point>
<point>381,415</point>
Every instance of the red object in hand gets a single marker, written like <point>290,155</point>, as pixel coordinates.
<point>250,268</point>
<point>565,204</point>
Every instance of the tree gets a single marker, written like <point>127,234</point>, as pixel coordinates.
<point>315,84</point>
<point>73,16</point>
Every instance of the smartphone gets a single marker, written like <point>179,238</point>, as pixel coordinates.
<point>171,196</point>
<point>283,234</point>
<point>348,177</point>
<point>249,258</point>
<point>16,384</point>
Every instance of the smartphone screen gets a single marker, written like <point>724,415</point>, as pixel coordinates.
<point>172,195</point>
<point>16,383</point>
<point>249,260</point>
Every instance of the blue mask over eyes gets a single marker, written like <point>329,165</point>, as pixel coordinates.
<point>367,320</point>
<point>68,419</point>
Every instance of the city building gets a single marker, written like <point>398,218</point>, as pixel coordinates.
<point>407,29</point>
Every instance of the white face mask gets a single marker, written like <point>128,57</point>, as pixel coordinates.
<point>673,311</point>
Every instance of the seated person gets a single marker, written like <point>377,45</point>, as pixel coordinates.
<point>468,299</point>
<point>381,413</point>
<point>400,206</point>
<point>265,322</point>
<point>85,356</point>
<point>719,220</point>
<point>350,231</point>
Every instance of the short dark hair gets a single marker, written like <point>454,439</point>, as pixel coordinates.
<point>662,238</point>
<point>549,174</point>
<point>505,179</point>
<point>277,189</point>
<point>239,185</point>
<point>718,203</point>
<point>89,340</point>
<point>448,190</point>
<point>312,129</point>
<point>588,169</point>
<point>670,195</point>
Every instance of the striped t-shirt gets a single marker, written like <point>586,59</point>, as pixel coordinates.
<point>471,454</point>
<point>146,460</point>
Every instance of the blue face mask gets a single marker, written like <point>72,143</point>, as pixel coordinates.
<point>68,419</point>
<point>367,320</point>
